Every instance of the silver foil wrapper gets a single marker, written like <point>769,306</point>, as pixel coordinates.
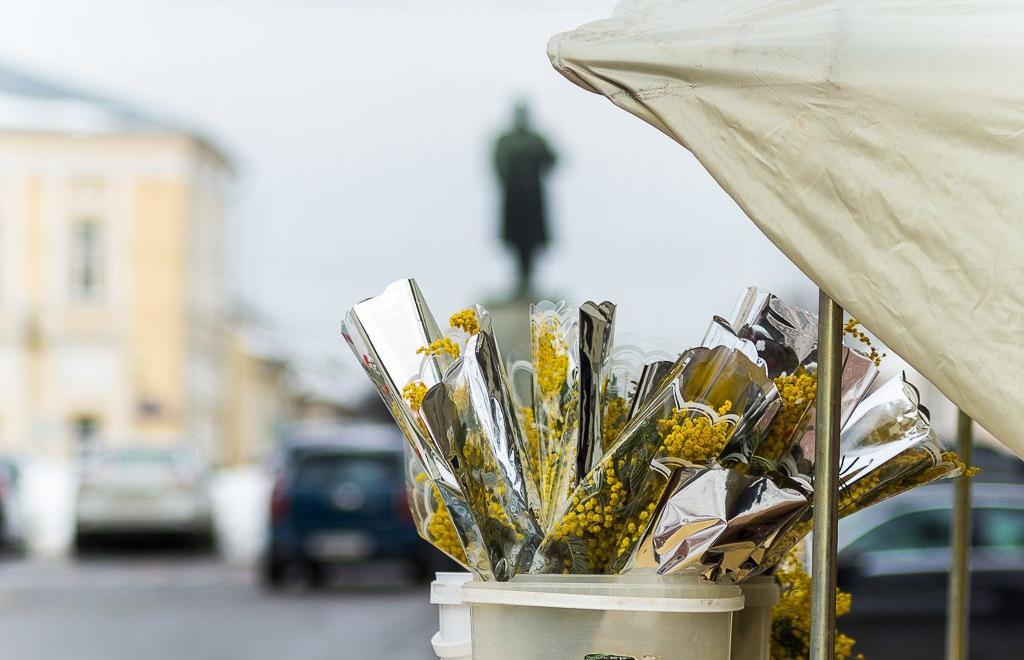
<point>728,525</point>
<point>858,374</point>
<point>717,522</point>
<point>784,339</point>
<point>471,417</point>
<point>601,524</point>
<point>721,333</point>
<point>385,332</point>
<point>712,376</point>
<point>784,336</point>
<point>651,379</point>
<point>886,447</point>
<point>883,427</point>
<point>713,372</point>
<point>596,331</point>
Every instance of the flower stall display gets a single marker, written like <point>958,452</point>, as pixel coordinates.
<point>599,459</point>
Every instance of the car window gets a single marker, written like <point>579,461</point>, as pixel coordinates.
<point>1001,528</point>
<point>910,531</point>
<point>316,472</point>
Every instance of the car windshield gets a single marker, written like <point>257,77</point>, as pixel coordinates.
<point>368,471</point>
<point>910,531</point>
<point>994,527</point>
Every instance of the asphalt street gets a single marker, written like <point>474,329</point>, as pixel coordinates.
<point>173,608</point>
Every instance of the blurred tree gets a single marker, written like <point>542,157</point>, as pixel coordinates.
<point>522,158</point>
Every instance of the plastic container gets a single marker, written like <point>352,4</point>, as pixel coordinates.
<point>752,626</point>
<point>641,616</point>
<point>452,639</point>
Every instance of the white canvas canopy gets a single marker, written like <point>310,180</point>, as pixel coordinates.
<point>878,143</point>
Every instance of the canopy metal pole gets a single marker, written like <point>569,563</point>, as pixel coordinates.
<point>826,480</point>
<point>958,608</point>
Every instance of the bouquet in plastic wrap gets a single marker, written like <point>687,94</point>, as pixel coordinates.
<point>598,457</point>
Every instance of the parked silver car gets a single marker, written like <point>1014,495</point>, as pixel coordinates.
<point>143,490</point>
<point>894,558</point>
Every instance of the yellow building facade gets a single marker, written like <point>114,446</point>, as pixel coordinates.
<point>113,306</point>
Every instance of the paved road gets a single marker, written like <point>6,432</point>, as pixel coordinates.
<point>201,609</point>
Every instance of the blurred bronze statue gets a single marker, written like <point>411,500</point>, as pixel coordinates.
<point>522,158</point>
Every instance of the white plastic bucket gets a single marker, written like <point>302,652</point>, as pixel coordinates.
<point>752,626</point>
<point>452,639</point>
<point>641,616</point>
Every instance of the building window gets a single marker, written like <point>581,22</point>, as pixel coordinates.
<point>85,429</point>
<point>86,260</point>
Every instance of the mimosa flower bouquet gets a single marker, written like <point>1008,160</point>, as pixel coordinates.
<point>600,459</point>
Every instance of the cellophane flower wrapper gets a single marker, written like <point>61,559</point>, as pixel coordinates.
<point>784,339</point>
<point>385,333</point>
<point>858,374</point>
<point>728,525</point>
<point>435,521</point>
<point>890,418</point>
<point>519,369</point>
<point>615,402</point>
<point>556,399</point>
<point>471,416</point>
<point>915,467</point>
<point>900,454</point>
<point>784,336</point>
<point>718,522</point>
<point>887,447</point>
<point>693,416</point>
<point>635,368</point>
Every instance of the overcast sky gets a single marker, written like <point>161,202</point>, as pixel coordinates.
<point>361,133</point>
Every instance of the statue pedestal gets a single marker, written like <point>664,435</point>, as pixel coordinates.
<point>511,321</point>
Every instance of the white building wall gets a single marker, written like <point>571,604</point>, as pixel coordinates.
<point>86,369</point>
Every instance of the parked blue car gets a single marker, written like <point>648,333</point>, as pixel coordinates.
<point>339,497</point>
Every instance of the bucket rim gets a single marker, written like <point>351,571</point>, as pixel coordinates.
<point>573,601</point>
<point>455,650</point>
